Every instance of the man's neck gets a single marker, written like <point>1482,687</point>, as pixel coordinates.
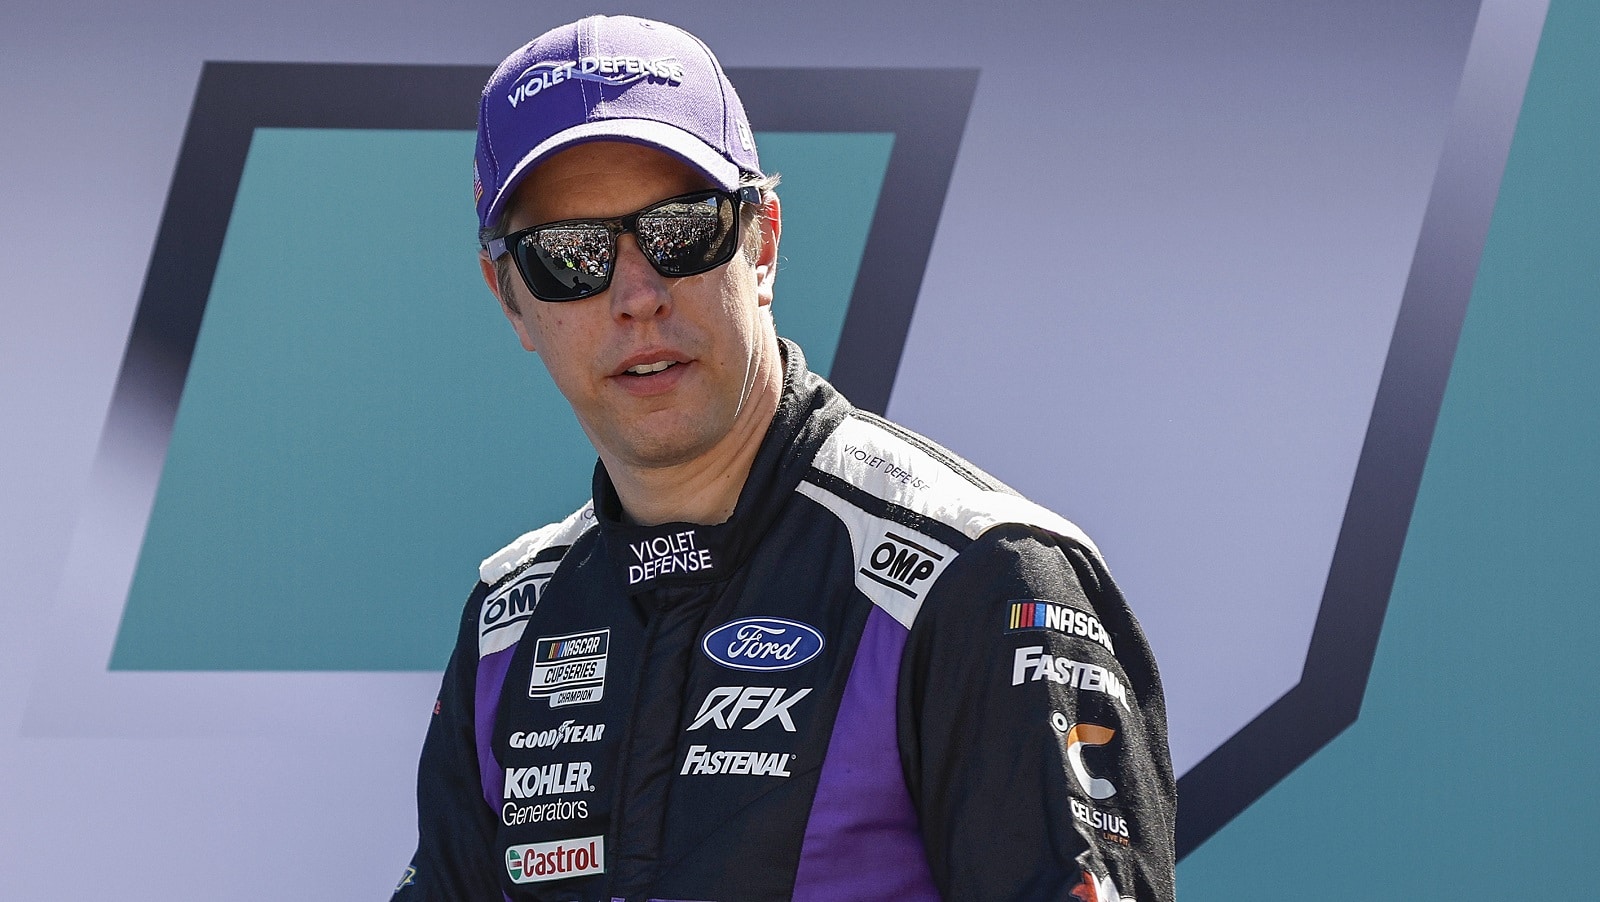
<point>706,489</point>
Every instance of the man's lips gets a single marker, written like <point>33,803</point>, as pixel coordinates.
<point>648,361</point>
<point>651,373</point>
<point>645,369</point>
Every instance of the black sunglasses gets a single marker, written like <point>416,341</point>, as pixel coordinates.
<point>680,236</point>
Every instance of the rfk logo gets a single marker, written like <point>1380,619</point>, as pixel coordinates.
<point>900,564</point>
<point>725,704</point>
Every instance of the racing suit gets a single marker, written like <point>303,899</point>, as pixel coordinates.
<point>885,677</point>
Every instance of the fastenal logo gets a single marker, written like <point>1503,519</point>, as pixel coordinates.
<point>1044,615</point>
<point>539,861</point>
<point>614,71</point>
<point>700,761</point>
<point>1077,736</point>
<point>570,670</point>
<point>726,704</point>
<point>1032,664</point>
<point>662,555</point>
<point>762,643</point>
<point>569,731</point>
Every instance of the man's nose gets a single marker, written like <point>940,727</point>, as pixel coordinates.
<point>637,290</point>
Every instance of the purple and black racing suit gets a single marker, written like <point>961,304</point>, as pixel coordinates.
<point>885,677</point>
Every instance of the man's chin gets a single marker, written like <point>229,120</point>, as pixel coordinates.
<point>662,449</point>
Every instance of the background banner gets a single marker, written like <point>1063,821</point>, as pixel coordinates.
<point>1192,276</point>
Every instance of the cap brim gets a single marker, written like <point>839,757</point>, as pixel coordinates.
<point>647,132</point>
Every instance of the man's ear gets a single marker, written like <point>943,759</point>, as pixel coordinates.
<point>766,262</point>
<point>508,305</point>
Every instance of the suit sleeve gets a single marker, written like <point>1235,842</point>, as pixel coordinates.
<point>455,827</point>
<point>1033,730</point>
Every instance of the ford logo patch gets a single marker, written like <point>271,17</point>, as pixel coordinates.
<point>762,643</point>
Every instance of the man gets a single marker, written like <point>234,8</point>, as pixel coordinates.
<point>790,650</point>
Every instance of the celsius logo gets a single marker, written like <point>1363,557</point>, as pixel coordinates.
<point>724,705</point>
<point>1113,827</point>
<point>900,564</point>
<point>1077,736</point>
<point>554,860</point>
<point>762,643</point>
<point>615,71</point>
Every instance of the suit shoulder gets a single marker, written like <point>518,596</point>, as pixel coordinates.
<point>530,546</point>
<point>876,460</point>
<point>911,507</point>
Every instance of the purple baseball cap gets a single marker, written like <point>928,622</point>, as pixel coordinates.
<point>608,78</point>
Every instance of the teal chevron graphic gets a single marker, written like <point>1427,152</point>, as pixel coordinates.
<point>359,425</point>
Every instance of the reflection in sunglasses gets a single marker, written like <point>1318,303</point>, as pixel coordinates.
<point>680,236</point>
<point>586,249</point>
<point>679,232</point>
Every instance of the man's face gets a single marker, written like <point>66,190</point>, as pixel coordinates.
<point>605,352</point>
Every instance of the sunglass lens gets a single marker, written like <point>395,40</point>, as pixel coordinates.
<point>567,263</point>
<point>688,236</point>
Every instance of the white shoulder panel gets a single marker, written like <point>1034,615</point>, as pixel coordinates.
<point>496,566</point>
<point>506,610</point>
<point>896,565</point>
<point>505,613</point>
<point>883,464</point>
